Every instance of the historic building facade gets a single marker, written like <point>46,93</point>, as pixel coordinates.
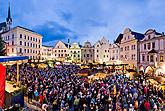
<point>114,54</point>
<point>152,49</point>
<point>129,47</point>
<point>75,52</point>
<point>87,52</point>
<point>23,42</point>
<point>102,53</point>
<point>47,53</point>
<point>61,51</point>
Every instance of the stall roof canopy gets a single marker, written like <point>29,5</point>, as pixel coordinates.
<point>12,58</point>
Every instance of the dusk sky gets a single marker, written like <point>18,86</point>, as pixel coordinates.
<point>83,20</point>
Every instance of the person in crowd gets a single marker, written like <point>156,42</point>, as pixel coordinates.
<point>60,89</point>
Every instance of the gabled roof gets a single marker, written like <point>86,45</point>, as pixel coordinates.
<point>67,45</point>
<point>152,51</point>
<point>119,38</point>
<point>137,35</point>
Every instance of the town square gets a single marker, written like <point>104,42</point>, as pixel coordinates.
<point>103,55</point>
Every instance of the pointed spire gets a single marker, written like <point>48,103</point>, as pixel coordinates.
<point>9,19</point>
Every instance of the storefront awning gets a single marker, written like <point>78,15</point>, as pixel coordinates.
<point>12,58</point>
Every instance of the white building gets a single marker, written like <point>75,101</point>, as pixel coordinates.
<point>114,54</point>
<point>47,53</point>
<point>61,51</point>
<point>23,42</point>
<point>87,52</point>
<point>102,53</point>
<point>152,50</point>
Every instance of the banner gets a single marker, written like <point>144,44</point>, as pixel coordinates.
<point>2,85</point>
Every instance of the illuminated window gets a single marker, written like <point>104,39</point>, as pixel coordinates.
<point>151,58</point>
<point>161,58</point>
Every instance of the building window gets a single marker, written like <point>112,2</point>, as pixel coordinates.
<point>78,51</point>
<point>20,50</point>
<point>39,41</point>
<point>64,50</point>
<point>128,48</point>
<point>153,45</point>
<point>143,58</point>
<point>144,46</point>
<point>36,45</point>
<point>25,50</point>
<point>105,50</point>
<point>58,55</point>
<point>28,37</point>
<point>25,36</point>
<point>31,38</point>
<point>74,55</point>
<point>12,42</point>
<point>12,36</point>
<point>54,54</point>
<point>104,56</point>
<point>97,45</point>
<point>97,55</point>
<point>107,56</point>
<point>91,55</point>
<point>61,55</point>
<point>149,46</point>
<point>149,37</point>
<point>148,58</point>
<point>12,49</point>
<point>20,35</point>
<point>161,58</point>
<point>84,55</point>
<point>25,44</point>
<point>87,55</point>
<point>121,49</point>
<point>125,48</point>
<point>151,58</point>
<point>20,42</point>
<point>58,50</point>
<point>97,50</point>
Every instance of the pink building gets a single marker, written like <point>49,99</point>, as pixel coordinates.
<point>152,50</point>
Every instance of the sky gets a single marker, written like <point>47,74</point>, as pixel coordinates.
<point>85,20</point>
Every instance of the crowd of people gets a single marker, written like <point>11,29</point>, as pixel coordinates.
<point>60,89</point>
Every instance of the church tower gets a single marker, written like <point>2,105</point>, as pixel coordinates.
<point>9,19</point>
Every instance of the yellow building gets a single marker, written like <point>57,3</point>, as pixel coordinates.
<point>75,52</point>
<point>23,42</point>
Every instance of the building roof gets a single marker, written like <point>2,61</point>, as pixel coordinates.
<point>137,35</point>
<point>47,46</point>
<point>152,51</point>
<point>119,38</point>
<point>3,24</point>
<point>67,45</point>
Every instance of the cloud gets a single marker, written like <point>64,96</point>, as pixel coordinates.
<point>53,31</point>
<point>66,16</point>
<point>85,20</point>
